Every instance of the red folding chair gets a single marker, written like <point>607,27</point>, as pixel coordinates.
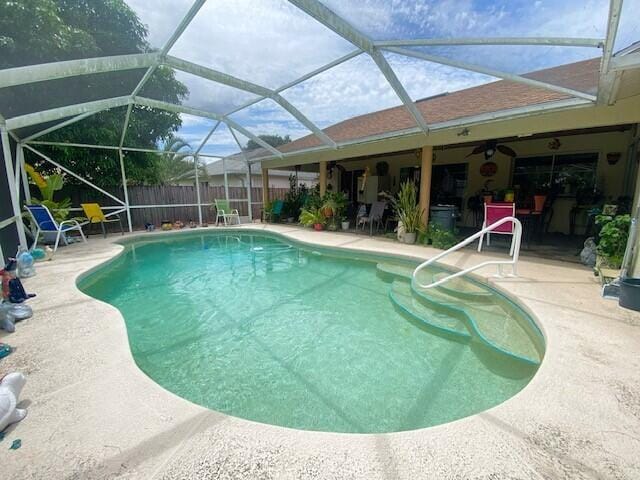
<point>494,212</point>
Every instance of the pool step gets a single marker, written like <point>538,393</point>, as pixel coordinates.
<point>499,326</point>
<point>402,297</point>
<point>463,288</point>
<point>465,312</point>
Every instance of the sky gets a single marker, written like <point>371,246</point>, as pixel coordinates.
<point>271,43</point>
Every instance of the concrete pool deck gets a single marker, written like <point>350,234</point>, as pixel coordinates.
<point>94,414</point>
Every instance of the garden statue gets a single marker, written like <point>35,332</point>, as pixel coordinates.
<point>12,289</point>
<point>7,321</point>
<point>10,388</point>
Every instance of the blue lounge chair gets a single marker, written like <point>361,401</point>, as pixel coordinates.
<point>46,223</point>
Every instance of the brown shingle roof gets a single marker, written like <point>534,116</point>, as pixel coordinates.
<point>491,97</point>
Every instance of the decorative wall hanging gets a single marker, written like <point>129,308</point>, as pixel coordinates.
<point>488,169</point>
<point>554,144</point>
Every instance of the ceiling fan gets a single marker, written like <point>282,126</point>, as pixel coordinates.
<point>489,149</point>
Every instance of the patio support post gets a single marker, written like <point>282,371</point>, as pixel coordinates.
<point>196,160</point>
<point>265,187</point>
<point>249,212</point>
<point>226,180</point>
<point>15,200</point>
<point>125,189</point>
<point>23,174</point>
<point>425,182</point>
<point>323,178</point>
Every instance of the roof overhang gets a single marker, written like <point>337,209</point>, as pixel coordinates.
<point>553,116</point>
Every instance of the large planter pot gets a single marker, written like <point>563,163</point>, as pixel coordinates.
<point>538,202</point>
<point>630,294</point>
<point>318,227</point>
<point>345,225</point>
<point>409,238</point>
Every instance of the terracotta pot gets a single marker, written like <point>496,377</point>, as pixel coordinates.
<point>538,201</point>
<point>327,212</point>
<point>488,198</point>
<point>318,227</point>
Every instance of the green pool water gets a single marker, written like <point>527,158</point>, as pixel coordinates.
<point>269,331</point>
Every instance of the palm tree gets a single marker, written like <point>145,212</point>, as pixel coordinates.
<point>177,163</point>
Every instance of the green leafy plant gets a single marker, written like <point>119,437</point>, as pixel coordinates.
<point>438,237</point>
<point>313,199</point>
<point>613,237</point>
<point>48,186</point>
<point>406,208</point>
<point>312,216</point>
<point>295,198</point>
<point>335,203</point>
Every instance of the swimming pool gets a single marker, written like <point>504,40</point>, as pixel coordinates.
<point>258,327</point>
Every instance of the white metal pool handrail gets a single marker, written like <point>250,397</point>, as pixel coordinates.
<point>514,253</point>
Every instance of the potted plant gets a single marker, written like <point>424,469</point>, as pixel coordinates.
<point>407,211</point>
<point>612,242</point>
<point>294,199</point>
<point>333,204</point>
<point>345,224</point>
<point>539,198</point>
<point>313,217</point>
<point>439,237</point>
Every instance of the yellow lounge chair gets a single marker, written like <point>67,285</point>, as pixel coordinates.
<point>94,215</point>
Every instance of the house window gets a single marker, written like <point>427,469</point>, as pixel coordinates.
<point>565,174</point>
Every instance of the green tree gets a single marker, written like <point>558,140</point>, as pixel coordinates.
<point>177,164</point>
<point>41,31</point>
<point>273,140</point>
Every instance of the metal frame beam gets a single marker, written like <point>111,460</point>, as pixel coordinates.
<point>13,192</point>
<point>11,77</point>
<point>339,25</point>
<point>58,126</point>
<point>544,41</point>
<point>624,62</point>
<point>207,137</point>
<point>67,111</point>
<point>182,26</point>
<point>608,79</point>
<point>491,72</point>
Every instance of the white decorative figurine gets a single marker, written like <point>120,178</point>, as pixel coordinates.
<point>10,388</point>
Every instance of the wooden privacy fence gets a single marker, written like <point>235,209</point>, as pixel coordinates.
<point>184,196</point>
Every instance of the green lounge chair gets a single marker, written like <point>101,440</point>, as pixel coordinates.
<point>224,211</point>
<point>275,212</point>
